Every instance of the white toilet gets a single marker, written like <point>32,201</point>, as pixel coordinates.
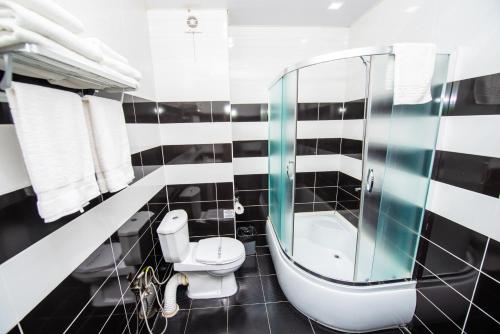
<point>209,264</point>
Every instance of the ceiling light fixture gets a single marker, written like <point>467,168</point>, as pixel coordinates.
<point>412,9</point>
<point>335,5</point>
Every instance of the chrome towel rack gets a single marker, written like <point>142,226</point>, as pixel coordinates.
<point>41,62</point>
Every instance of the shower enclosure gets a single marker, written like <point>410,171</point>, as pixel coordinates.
<point>345,255</point>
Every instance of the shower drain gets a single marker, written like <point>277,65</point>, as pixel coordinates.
<point>336,256</point>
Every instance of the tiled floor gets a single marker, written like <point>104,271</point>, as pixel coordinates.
<point>259,307</point>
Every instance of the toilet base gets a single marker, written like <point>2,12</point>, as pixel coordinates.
<point>203,285</point>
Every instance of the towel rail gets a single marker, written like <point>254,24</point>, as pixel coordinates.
<point>41,62</point>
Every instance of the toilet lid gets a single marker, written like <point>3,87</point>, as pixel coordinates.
<point>219,250</point>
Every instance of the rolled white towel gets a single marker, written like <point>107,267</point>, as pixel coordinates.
<point>50,126</point>
<point>54,12</point>
<point>109,141</point>
<point>30,20</point>
<point>121,67</point>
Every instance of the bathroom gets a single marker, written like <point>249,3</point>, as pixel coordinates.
<point>274,174</point>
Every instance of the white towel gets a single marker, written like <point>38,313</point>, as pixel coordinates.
<point>54,12</point>
<point>50,126</point>
<point>14,14</point>
<point>413,71</point>
<point>107,50</point>
<point>109,140</point>
<point>123,68</point>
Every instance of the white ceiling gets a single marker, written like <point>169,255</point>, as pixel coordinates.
<point>278,12</point>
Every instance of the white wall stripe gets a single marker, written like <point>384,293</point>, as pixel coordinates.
<point>353,129</point>
<point>195,133</point>
<point>473,210</point>
<point>319,129</point>
<point>351,166</point>
<point>41,267</point>
<point>317,163</point>
<point>250,131</point>
<point>142,137</point>
<point>198,173</point>
<point>13,174</point>
<point>477,135</point>
<point>253,165</point>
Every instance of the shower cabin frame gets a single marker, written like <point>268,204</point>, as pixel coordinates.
<point>352,306</point>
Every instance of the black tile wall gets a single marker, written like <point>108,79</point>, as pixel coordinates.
<point>329,111</point>
<point>194,112</point>
<point>457,268</point>
<point>250,148</point>
<point>249,112</point>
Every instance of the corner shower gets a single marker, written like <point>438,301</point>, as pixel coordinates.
<point>348,263</point>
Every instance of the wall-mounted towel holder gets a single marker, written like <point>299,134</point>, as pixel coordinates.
<point>41,62</point>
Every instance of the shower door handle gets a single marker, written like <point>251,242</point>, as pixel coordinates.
<point>290,170</point>
<point>370,178</point>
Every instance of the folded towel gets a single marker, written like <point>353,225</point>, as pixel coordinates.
<point>109,140</point>
<point>50,126</point>
<point>487,89</point>
<point>107,50</point>
<point>413,71</point>
<point>13,13</point>
<point>123,68</point>
<point>54,12</point>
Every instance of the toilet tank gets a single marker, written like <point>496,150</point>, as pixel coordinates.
<point>174,236</point>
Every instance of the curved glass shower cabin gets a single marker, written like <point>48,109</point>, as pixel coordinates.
<point>348,180</point>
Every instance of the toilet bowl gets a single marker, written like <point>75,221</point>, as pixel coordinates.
<point>209,263</point>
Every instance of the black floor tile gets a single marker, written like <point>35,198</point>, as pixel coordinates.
<point>248,319</point>
<point>262,250</point>
<point>272,290</point>
<point>320,329</point>
<point>176,324</point>
<point>249,267</point>
<point>284,318</point>
<point>212,302</point>
<point>249,291</point>
<point>209,320</point>
<point>266,265</point>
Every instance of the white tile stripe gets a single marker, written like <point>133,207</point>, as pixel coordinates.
<point>198,173</point>
<point>477,135</point>
<point>250,131</point>
<point>195,133</point>
<point>478,212</point>
<point>253,165</point>
<point>41,267</point>
<point>142,137</point>
<point>319,129</point>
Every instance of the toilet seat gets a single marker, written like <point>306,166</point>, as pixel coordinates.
<point>204,255</point>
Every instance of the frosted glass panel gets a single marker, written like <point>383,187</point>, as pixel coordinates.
<point>410,151</point>
<point>274,142</point>
<point>288,130</point>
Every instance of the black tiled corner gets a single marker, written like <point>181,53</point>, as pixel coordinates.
<point>253,213</point>
<point>225,191</point>
<point>300,207</point>
<point>307,111</point>
<point>191,192</point>
<point>326,194</point>
<point>146,112</point>
<point>250,182</point>
<point>208,320</point>
<point>472,172</point>
<point>304,195</point>
<point>185,112</point>
<point>159,197</point>
<point>328,146</point>
<point>326,179</point>
<point>330,111</point>
<point>272,289</point>
<point>346,180</point>
<point>197,210</point>
<point>258,226</point>
<point>252,197</point>
<point>284,318</point>
<point>354,110</point>
<point>221,111</point>
<point>250,148</point>
<point>306,146</point>
<point>325,206</point>
<point>249,112</point>
<point>486,296</point>
<point>177,324</point>
<point>152,157</point>
<point>433,317</point>
<point>266,266</point>
<point>352,148</point>
<point>188,154</point>
<point>249,291</point>
<point>248,319</point>
<point>222,153</point>
<point>5,116</point>
<point>305,179</point>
